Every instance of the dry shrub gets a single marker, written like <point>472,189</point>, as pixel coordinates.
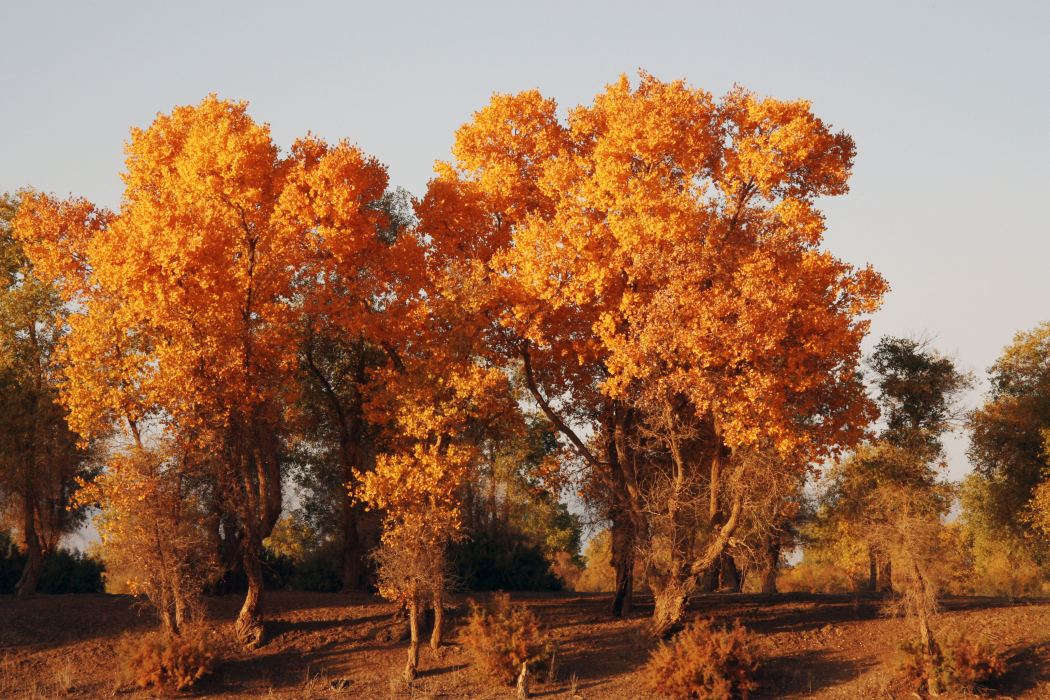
<point>500,637</point>
<point>168,661</point>
<point>703,661</point>
<point>960,665</point>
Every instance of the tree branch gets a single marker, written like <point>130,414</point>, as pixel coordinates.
<point>530,382</point>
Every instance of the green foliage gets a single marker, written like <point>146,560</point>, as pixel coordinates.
<point>1008,449</point>
<point>169,662</point>
<point>704,662</point>
<point>297,557</point>
<point>62,571</point>
<point>502,561</point>
<point>500,637</point>
<point>68,571</point>
<point>11,563</point>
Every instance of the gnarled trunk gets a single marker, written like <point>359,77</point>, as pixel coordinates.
<point>670,598</point>
<point>770,567</point>
<point>249,626</point>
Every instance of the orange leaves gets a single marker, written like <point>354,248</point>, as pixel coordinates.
<point>663,240</point>
<point>56,236</point>
<point>191,296</point>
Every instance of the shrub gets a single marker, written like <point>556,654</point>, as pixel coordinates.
<point>500,637</point>
<point>960,665</point>
<point>704,662</point>
<point>168,661</point>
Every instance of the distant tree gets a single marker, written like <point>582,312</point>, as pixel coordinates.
<point>888,494</point>
<point>42,461</point>
<point>153,527</point>
<point>1005,499</point>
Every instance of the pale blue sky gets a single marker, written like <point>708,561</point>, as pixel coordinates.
<point>948,102</point>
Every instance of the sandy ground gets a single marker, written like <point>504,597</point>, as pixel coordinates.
<point>330,645</point>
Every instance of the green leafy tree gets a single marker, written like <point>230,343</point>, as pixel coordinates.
<point>1004,498</point>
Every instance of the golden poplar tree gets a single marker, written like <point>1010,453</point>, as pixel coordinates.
<point>655,264</point>
<point>191,298</point>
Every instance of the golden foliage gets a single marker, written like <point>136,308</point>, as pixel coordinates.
<point>672,239</point>
<point>166,661</point>
<point>500,637</point>
<point>704,662</point>
<point>153,527</point>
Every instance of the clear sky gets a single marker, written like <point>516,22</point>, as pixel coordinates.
<point>948,102</point>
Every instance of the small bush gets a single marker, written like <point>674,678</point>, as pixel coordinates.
<point>974,664</point>
<point>501,637</point>
<point>961,665</point>
<point>704,662</point>
<point>166,661</point>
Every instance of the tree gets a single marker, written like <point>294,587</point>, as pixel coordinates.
<point>1008,447</point>
<point>353,323</point>
<point>153,527</point>
<point>418,483</point>
<point>888,494</point>
<point>190,299</point>
<point>42,463</point>
<point>655,262</point>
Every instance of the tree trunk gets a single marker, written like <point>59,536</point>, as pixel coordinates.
<point>670,603</point>
<point>623,563</point>
<point>353,569</point>
<point>439,620</point>
<point>770,565</point>
<point>873,570</point>
<point>886,576</point>
<point>249,627</point>
<point>411,668</point>
<point>728,574</point>
<point>27,584</point>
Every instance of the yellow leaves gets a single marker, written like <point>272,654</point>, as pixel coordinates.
<point>665,238</point>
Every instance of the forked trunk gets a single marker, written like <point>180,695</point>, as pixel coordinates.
<point>412,666</point>
<point>249,627</point>
<point>669,608</point>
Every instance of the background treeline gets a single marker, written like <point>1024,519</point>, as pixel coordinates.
<point>270,368</point>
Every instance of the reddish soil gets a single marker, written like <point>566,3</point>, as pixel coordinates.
<point>327,645</point>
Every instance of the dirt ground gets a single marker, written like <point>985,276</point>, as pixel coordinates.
<point>329,645</point>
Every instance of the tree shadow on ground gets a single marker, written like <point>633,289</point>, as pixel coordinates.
<point>1027,667</point>
<point>806,673</point>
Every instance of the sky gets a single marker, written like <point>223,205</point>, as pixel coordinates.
<point>948,103</point>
